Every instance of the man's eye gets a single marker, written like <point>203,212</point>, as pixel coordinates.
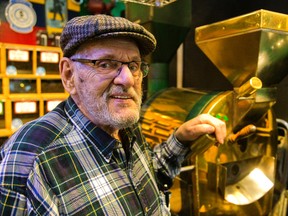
<point>133,66</point>
<point>104,64</point>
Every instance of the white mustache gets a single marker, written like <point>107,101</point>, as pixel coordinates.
<point>119,90</point>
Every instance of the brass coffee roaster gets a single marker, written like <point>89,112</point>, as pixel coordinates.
<point>248,174</point>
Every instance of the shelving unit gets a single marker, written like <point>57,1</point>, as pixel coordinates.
<point>30,84</point>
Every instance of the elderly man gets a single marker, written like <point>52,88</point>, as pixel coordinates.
<point>88,156</point>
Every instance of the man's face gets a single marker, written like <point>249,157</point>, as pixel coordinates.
<point>108,102</point>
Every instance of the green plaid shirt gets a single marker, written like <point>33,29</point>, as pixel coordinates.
<point>62,164</point>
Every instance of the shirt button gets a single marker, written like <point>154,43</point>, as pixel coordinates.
<point>146,209</point>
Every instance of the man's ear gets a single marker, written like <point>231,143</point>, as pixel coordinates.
<point>67,75</point>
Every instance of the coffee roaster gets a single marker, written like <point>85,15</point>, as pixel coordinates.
<point>247,175</point>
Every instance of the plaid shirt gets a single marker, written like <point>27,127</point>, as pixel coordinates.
<point>62,164</point>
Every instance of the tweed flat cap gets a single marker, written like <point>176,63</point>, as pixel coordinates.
<point>86,28</point>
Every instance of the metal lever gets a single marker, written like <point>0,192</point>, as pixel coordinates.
<point>244,132</point>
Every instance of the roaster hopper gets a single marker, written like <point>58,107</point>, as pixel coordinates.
<point>251,45</point>
<point>239,177</point>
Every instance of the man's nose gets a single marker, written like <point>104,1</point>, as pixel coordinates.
<point>124,76</point>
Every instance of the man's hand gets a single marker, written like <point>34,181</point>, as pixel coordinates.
<point>200,125</point>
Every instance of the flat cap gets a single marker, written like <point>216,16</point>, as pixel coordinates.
<point>82,29</point>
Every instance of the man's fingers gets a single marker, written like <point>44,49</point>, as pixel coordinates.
<point>201,125</point>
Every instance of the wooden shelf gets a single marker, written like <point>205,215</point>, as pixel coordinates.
<point>26,75</point>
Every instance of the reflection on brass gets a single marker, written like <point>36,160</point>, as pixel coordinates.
<point>252,183</point>
<point>167,112</point>
<point>162,132</point>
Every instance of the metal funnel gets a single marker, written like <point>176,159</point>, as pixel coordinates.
<point>251,45</point>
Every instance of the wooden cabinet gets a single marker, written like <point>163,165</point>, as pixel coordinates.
<point>30,84</point>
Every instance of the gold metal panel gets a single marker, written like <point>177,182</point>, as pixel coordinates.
<point>261,19</point>
<point>252,45</point>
